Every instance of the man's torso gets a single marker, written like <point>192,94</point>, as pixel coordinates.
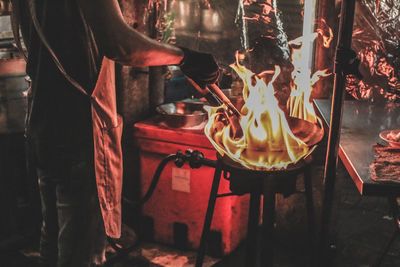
<point>60,119</point>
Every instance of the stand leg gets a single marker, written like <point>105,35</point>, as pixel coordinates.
<point>310,209</point>
<point>386,248</point>
<point>209,214</point>
<point>395,211</point>
<point>396,218</point>
<point>267,257</point>
<point>344,42</point>
<point>252,229</point>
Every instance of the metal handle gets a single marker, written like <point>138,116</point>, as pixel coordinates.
<point>214,91</point>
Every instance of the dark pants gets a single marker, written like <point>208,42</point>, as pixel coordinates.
<point>72,231</point>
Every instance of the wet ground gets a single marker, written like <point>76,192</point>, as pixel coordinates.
<point>361,228</point>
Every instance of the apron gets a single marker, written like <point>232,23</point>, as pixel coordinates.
<point>107,133</point>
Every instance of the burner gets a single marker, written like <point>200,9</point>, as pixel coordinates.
<point>244,180</point>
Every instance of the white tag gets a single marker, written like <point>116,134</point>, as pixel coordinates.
<point>181,180</point>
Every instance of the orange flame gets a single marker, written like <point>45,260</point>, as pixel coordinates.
<point>267,141</point>
<point>299,103</point>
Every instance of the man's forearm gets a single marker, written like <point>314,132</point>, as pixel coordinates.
<point>139,50</point>
<point>123,43</point>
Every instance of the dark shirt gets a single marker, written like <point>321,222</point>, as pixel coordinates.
<point>60,118</point>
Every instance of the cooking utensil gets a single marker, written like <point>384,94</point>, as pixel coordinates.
<point>218,92</point>
<point>212,99</point>
<point>215,95</point>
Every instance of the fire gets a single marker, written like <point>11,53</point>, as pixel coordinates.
<point>267,141</point>
<point>299,103</point>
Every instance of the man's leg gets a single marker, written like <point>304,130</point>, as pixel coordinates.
<point>81,240</point>
<point>49,231</point>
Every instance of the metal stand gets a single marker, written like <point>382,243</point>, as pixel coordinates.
<point>310,212</point>
<point>251,242</point>
<point>268,228</point>
<point>270,187</point>
<point>210,211</point>
<point>345,63</point>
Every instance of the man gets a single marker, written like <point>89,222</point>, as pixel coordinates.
<point>73,127</point>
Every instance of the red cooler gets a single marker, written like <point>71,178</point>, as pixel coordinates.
<point>175,213</point>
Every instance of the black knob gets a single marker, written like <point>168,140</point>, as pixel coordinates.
<point>196,160</point>
<point>180,159</point>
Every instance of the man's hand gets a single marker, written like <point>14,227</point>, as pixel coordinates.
<point>200,67</point>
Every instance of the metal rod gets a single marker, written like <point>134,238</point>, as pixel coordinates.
<point>215,96</point>
<point>226,195</point>
<point>394,206</point>
<point>268,225</point>
<point>344,42</point>
<point>386,248</point>
<point>209,162</point>
<point>209,214</point>
<point>396,219</point>
<point>213,91</point>
<point>202,91</point>
<point>217,91</point>
<point>310,211</point>
<point>252,230</point>
<point>211,98</point>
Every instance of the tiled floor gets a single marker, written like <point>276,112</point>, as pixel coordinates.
<point>362,226</point>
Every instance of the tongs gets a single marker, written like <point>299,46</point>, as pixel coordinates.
<point>215,96</point>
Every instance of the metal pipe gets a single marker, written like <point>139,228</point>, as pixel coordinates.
<point>252,230</point>
<point>396,219</point>
<point>214,95</point>
<point>268,225</point>
<point>308,190</point>
<point>217,91</point>
<point>344,42</point>
<point>211,98</point>
<point>213,90</point>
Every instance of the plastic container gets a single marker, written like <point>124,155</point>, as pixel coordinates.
<point>175,213</point>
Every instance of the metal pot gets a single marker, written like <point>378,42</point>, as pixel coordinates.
<point>182,114</point>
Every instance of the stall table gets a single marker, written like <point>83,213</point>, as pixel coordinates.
<point>361,124</point>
